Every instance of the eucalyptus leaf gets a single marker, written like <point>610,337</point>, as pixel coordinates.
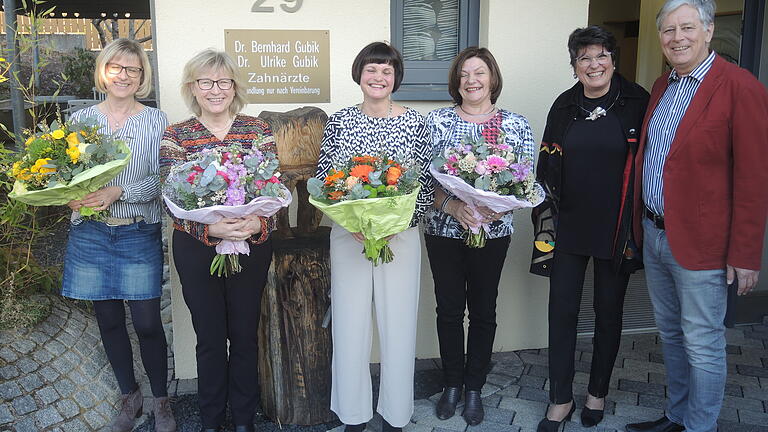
<point>208,175</point>
<point>315,187</point>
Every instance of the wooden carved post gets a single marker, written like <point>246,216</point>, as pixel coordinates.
<point>295,350</point>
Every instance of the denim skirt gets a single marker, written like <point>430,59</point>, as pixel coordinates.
<point>113,262</point>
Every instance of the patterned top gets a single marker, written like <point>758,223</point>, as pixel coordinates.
<point>189,137</point>
<point>448,129</point>
<point>349,132</point>
<point>662,127</point>
<point>140,179</point>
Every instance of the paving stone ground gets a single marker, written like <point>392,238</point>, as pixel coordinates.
<point>55,377</point>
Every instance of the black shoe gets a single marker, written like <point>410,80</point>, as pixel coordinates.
<point>473,408</point>
<point>591,417</point>
<point>354,428</point>
<point>661,425</point>
<point>386,427</point>
<point>547,425</point>
<point>446,406</point>
<point>245,428</point>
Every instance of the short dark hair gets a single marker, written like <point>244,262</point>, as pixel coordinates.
<point>454,73</point>
<point>592,35</point>
<point>379,53</point>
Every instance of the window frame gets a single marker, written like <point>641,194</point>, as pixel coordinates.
<point>427,80</point>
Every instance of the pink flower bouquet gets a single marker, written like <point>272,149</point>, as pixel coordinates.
<point>490,174</point>
<point>226,182</point>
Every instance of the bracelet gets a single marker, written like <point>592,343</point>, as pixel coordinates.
<point>445,202</point>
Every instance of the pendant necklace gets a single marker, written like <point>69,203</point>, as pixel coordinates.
<point>114,121</point>
<point>599,111</point>
<point>493,110</point>
<point>221,129</point>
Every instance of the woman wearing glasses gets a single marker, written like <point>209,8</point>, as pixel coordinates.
<point>223,308</point>
<point>120,259</point>
<point>585,165</point>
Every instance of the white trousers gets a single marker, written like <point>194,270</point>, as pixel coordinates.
<point>393,289</point>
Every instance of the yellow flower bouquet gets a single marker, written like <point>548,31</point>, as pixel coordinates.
<point>66,161</point>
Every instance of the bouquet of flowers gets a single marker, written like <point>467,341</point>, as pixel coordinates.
<point>485,173</point>
<point>66,161</point>
<point>226,182</point>
<point>373,195</point>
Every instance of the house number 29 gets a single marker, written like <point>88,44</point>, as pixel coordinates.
<point>289,6</point>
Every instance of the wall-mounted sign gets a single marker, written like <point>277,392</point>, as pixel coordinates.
<point>282,66</point>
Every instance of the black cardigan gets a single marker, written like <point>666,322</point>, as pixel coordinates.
<point>630,109</point>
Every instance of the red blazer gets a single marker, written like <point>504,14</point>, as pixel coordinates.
<point>716,172</point>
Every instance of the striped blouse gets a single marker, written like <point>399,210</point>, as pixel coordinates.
<point>140,179</point>
<point>189,137</point>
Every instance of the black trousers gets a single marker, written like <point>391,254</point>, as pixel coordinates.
<point>566,283</point>
<point>224,308</point>
<point>466,278</point>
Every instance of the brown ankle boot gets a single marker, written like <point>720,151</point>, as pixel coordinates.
<point>130,409</point>
<point>164,421</point>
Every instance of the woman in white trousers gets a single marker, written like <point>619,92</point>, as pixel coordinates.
<point>375,127</point>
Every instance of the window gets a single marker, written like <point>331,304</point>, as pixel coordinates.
<point>429,34</point>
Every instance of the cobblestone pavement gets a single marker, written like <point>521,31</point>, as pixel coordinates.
<point>55,377</point>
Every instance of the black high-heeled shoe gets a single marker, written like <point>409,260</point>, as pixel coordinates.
<point>354,428</point>
<point>547,425</point>
<point>591,417</point>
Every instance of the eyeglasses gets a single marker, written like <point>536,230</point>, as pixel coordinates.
<point>131,71</point>
<point>207,84</point>
<point>602,59</point>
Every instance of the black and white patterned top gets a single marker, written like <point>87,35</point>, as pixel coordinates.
<point>349,132</point>
<point>140,179</point>
<point>447,129</point>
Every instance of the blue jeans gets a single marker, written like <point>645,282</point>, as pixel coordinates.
<point>689,306</point>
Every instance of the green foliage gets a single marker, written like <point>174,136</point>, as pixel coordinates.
<point>22,278</point>
<point>79,65</point>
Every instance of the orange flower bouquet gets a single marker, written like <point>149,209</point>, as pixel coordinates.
<point>373,195</point>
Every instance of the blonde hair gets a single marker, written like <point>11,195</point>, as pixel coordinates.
<point>213,60</point>
<point>120,48</point>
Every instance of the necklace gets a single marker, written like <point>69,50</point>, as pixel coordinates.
<point>221,129</point>
<point>493,110</point>
<point>115,122</point>
<point>599,111</point>
<point>389,110</point>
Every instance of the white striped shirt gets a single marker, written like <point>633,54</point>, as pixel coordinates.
<point>662,128</point>
<point>140,179</point>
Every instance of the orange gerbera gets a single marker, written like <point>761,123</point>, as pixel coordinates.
<point>333,176</point>
<point>335,195</point>
<point>393,175</point>
<point>361,172</point>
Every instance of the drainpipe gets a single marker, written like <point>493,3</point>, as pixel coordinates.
<point>17,101</point>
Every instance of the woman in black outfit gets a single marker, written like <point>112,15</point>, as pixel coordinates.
<point>585,165</point>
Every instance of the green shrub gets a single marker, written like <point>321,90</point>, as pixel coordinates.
<point>78,70</point>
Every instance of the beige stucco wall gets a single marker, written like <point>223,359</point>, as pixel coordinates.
<point>527,38</point>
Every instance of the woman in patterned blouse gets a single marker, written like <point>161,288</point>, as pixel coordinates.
<point>222,308</point>
<point>374,127</point>
<point>464,276</point>
<point>120,259</point>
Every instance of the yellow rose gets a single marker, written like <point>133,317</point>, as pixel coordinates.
<point>24,175</point>
<point>39,167</point>
<point>72,139</point>
<point>29,140</point>
<point>57,134</point>
<point>73,152</point>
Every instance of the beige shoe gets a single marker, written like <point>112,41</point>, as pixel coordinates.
<point>164,421</point>
<point>130,409</point>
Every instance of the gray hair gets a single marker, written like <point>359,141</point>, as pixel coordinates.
<point>706,9</point>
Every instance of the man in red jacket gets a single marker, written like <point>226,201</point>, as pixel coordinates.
<point>700,208</point>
